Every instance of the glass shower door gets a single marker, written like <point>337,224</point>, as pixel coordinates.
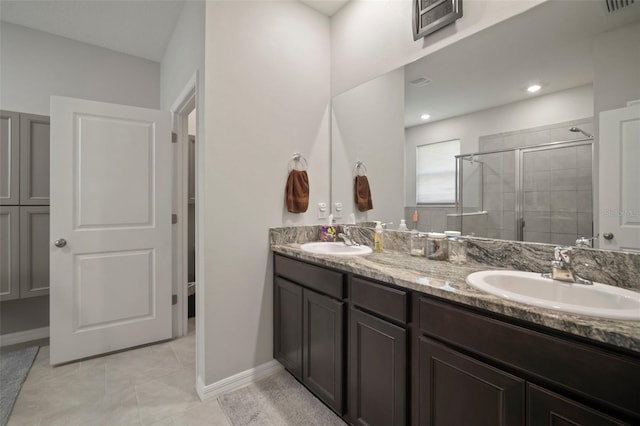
<point>487,195</point>
<point>556,201</point>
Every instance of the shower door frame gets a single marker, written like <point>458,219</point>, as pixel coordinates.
<point>519,172</point>
<point>519,153</point>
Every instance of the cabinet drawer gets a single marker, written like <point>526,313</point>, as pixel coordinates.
<point>315,277</point>
<point>606,376</point>
<point>380,299</point>
<point>548,408</point>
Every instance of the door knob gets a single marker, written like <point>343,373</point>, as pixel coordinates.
<point>608,236</point>
<point>60,242</point>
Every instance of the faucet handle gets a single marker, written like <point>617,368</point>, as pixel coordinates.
<point>562,254</point>
<point>585,242</point>
<point>565,254</point>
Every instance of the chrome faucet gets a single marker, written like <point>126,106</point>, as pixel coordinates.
<point>584,242</point>
<point>347,238</point>
<point>562,268</point>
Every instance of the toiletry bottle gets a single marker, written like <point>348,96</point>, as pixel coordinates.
<point>403,225</point>
<point>415,219</point>
<point>377,238</point>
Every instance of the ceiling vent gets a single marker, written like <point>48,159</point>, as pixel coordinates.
<point>420,82</point>
<point>613,5</point>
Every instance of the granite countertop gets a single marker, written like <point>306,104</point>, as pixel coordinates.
<point>447,281</point>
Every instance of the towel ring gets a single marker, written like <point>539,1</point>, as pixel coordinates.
<point>360,167</point>
<point>297,159</point>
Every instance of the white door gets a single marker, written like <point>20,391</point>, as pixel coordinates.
<point>619,171</point>
<point>111,204</point>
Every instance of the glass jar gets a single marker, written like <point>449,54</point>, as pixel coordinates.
<point>436,246</point>
<point>417,243</point>
<point>457,247</point>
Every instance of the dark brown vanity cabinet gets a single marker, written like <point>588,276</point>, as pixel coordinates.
<point>476,369</point>
<point>323,348</point>
<point>377,354</point>
<point>399,357</point>
<point>458,390</point>
<point>548,408</point>
<point>287,315</point>
<point>309,327</point>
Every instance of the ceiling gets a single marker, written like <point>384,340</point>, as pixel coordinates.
<point>140,28</point>
<point>326,7</point>
<point>550,44</point>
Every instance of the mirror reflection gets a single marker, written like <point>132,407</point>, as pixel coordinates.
<point>521,164</point>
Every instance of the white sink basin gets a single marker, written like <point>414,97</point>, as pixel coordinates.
<point>335,249</point>
<point>597,300</point>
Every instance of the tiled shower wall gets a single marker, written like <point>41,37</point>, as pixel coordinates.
<point>557,185</point>
<point>430,219</point>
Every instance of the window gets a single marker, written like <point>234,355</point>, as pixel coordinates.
<point>436,172</point>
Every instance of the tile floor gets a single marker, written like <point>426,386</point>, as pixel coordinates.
<point>153,385</point>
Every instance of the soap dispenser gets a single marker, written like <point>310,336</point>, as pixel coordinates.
<point>377,238</point>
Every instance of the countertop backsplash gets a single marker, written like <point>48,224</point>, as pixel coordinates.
<point>609,267</point>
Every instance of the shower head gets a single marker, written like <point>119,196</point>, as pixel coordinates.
<point>578,129</point>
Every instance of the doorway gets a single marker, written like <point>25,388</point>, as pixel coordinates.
<point>191,222</point>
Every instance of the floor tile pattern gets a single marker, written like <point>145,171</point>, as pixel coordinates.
<point>148,386</point>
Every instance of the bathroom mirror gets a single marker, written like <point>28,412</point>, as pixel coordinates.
<point>475,91</point>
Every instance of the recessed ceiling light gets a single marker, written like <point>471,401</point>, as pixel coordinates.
<point>534,88</point>
<point>425,116</point>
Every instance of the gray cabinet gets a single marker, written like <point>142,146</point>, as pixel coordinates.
<point>34,159</point>
<point>24,185</point>
<point>9,158</point>
<point>9,248</point>
<point>34,251</point>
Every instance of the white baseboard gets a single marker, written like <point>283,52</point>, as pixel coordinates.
<point>24,336</point>
<point>237,381</point>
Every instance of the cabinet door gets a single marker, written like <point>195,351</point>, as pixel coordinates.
<point>34,159</point>
<point>287,323</point>
<point>34,251</point>
<point>377,371</point>
<point>322,355</point>
<point>9,253</point>
<point>9,158</point>
<point>547,408</point>
<point>455,389</point>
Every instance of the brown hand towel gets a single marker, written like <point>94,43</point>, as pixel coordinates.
<point>363,194</point>
<point>297,191</point>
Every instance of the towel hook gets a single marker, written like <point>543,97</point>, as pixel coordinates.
<point>296,159</point>
<point>359,167</point>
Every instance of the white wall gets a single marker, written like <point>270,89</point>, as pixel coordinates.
<point>267,96</point>
<point>368,126</point>
<point>35,65</point>
<point>372,37</point>
<point>571,104</point>
<point>184,54</point>
<point>616,68</point>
